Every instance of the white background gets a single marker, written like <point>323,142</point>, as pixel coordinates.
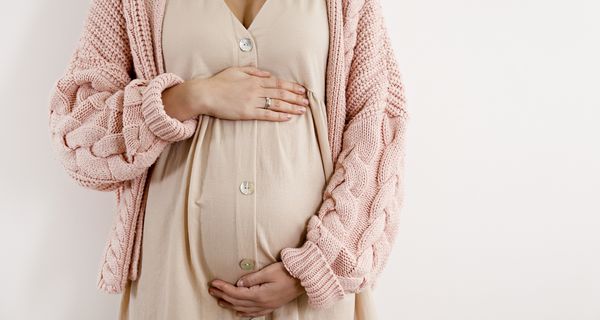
<point>502,209</point>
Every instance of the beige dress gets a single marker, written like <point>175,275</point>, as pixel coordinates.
<point>226,201</point>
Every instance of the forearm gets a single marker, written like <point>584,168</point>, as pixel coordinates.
<point>190,99</point>
<point>187,100</point>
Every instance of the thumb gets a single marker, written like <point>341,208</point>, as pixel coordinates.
<point>251,279</point>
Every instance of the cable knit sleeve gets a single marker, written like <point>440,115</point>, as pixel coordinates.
<point>350,238</point>
<point>105,126</point>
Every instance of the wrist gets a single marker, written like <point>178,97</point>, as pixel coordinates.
<point>175,104</point>
<point>300,289</point>
<point>200,94</point>
<point>298,285</point>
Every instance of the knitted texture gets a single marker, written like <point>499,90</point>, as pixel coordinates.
<point>108,127</point>
<point>351,236</point>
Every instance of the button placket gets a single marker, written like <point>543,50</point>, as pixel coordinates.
<point>246,183</point>
<point>246,48</point>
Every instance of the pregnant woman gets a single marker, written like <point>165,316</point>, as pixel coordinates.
<point>229,208</point>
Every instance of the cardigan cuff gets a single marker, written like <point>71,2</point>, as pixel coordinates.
<point>308,264</point>
<point>159,122</point>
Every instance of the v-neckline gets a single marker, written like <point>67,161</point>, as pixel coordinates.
<point>258,14</point>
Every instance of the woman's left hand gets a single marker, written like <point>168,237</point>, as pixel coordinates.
<point>258,293</point>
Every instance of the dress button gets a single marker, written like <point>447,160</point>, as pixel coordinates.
<point>247,187</point>
<point>247,264</point>
<point>245,44</point>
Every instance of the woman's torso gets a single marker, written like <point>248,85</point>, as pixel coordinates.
<point>255,183</point>
<point>226,201</point>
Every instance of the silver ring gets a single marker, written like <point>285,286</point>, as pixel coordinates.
<point>267,103</point>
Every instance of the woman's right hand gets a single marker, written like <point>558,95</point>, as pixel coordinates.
<point>236,93</point>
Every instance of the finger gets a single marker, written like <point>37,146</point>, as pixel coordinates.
<point>255,71</point>
<point>277,83</point>
<point>228,305</point>
<point>260,113</point>
<point>282,94</point>
<point>252,279</point>
<point>240,293</point>
<point>270,115</point>
<point>281,106</point>
<point>219,294</point>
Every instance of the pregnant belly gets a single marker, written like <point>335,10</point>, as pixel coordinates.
<point>257,185</point>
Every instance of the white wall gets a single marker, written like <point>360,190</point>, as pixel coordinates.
<point>502,174</point>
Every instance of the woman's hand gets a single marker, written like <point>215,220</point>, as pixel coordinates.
<point>236,93</point>
<point>258,293</point>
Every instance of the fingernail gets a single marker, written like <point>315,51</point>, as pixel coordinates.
<point>305,101</point>
<point>240,283</point>
<point>302,89</point>
<point>303,110</point>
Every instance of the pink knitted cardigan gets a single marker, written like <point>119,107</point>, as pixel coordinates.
<point>108,127</point>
